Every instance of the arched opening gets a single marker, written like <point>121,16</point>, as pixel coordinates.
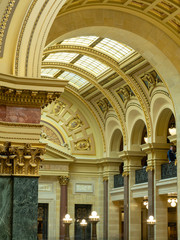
<point>138,135</point>
<point>117,141</point>
<point>165,121</point>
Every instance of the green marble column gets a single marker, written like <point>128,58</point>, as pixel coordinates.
<point>5,207</point>
<point>25,208</point>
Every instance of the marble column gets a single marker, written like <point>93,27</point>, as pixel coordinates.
<point>126,207</point>
<point>19,169</point>
<point>151,202</point>
<point>105,224</point>
<point>63,180</point>
<point>157,155</point>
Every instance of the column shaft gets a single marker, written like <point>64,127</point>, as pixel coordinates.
<point>151,203</point>
<point>105,234</point>
<point>126,207</point>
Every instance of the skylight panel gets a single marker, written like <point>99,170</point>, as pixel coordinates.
<point>91,65</point>
<point>60,57</point>
<point>48,72</point>
<point>73,79</point>
<point>116,50</point>
<point>82,41</point>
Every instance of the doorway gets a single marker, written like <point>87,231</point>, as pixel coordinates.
<point>43,221</point>
<point>82,211</point>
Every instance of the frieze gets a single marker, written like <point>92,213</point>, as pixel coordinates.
<point>26,97</point>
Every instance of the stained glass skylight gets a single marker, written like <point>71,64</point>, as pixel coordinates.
<point>60,57</point>
<point>114,49</point>
<point>49,72</point>
<point>92,65</point>
<point>82,41</point>
<point>74,79</point>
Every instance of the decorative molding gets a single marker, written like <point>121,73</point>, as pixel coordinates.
<point>21,34</point>
<point>21,159</point>
<point>7,15</point>
<point>84,188</point>
<point>26,97</point>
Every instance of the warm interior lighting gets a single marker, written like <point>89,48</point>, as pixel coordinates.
<point>83,223</point>
<point>67,219</point>
<point>146,139</point>
<point>172,130</point>
<point>145,203</point>
<point>151,220</point>
<point>94,216</point>
<point>172,201</point>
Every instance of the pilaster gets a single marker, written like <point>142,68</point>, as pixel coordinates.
<point>63,181</point>
<point>157,155</point>
<point>132,207</point>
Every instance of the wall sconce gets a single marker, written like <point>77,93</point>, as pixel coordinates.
<point>172,201</point>
<point>83,224</point>
<point>151,220</point>
<point>94,219</point>
<point>145,203</point>
<point>172,130</point>
<point>67,221</point>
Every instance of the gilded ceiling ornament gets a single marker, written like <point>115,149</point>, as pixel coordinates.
<point>47,133</point>
<point>58,107</point>
<point>104,105</point>
<point>151,79</point>
<point>74,123</point>
<point>125,93</point>
<point>83,145</point>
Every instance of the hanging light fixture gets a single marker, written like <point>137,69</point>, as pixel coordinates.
<point>145,203</point>
<point>172,201</point>
<point>172,130</point>
<point>146,139</point>
<point>151,220</point>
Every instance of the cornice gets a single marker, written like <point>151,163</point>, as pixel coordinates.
<point>25,83</point>
<point>31,98</point>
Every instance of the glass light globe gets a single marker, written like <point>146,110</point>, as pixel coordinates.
<point>94,214</point>
<point>146,139</point>
<point>173,203</point>
<point>172,131</point>
<point>169,200</point>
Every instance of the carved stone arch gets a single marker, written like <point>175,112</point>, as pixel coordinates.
<point>137,134</point>
<point>161,111</point>
<point>113,134</point>
<point>161,127</point>
<point>135,122</point>
<point>136,36</point>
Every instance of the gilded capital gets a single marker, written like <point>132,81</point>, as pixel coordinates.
<point>105,178</point>
<point>149,168</point>
<point>20,159</point>
<point>125,173</point>
<point>63,180</point>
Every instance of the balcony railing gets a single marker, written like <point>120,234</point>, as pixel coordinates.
<point>168,170</point>
<point>141,176</point>
<point>118,181</point>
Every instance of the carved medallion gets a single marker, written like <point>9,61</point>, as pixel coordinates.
<point>58,107</point>
<point>83,145</point>
<point>74,123</point>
